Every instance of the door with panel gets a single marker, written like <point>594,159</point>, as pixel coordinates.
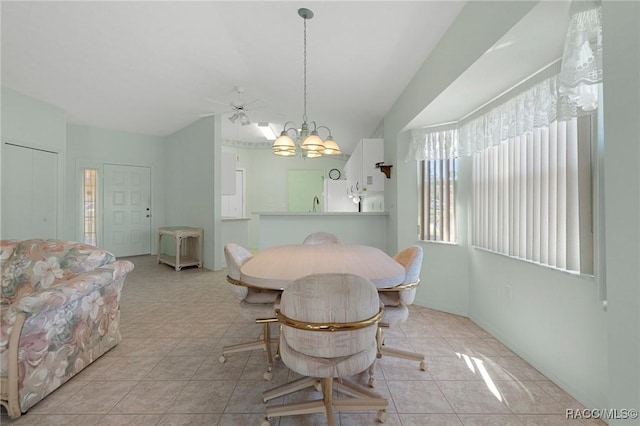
<point>127,210</point>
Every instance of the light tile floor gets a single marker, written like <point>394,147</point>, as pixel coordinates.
<point>166,369</point>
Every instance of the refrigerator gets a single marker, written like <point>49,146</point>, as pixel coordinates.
<point>335,197</point>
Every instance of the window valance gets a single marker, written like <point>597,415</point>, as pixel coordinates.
<point>433,145</point>
<point>531,109</point>
<point>561,97</point>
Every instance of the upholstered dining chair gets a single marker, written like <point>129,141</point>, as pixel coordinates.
<point>322,238</point>
<point>396,302</point>
<point>254,303</point>
<point>328,325</point>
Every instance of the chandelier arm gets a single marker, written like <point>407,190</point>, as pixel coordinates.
<point>293,127</point>
<point>324,127</point>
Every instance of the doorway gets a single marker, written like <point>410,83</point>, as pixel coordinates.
<point>305,189</point>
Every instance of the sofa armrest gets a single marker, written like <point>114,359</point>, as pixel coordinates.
<point>73,289</point>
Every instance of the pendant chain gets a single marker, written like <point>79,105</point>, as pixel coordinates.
<point>304,117</point>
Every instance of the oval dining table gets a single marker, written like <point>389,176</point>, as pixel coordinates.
<point>275,267</point>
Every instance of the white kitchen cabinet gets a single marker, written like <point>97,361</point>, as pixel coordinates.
<point>361,173</point>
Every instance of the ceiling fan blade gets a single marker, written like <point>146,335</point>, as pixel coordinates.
<point>252,102</point>
<point>218,102</point>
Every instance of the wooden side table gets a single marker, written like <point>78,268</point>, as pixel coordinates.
<point>193,246</point>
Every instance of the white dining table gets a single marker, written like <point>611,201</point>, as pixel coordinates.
<point>275,267</point>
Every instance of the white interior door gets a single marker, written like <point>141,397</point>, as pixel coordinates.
<point>127,210</point>
<point>29,195</point>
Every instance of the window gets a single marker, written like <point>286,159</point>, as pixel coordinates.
<point>531,180</point>
<point>532,196</point>
<point>89,206</point>
<point>438,195</point>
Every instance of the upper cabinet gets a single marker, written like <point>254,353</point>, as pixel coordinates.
<point>362,176</point>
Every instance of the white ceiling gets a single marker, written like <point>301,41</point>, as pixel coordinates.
<point>149,67</point>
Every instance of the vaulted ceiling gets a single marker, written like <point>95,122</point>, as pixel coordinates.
<point>154,67</point>
<point>149,67</point>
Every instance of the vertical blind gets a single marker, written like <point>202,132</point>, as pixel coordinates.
<point>438,196</point>
<point>532,196</point>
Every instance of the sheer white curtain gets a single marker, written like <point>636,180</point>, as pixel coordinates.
<point>433,144</point>
<point>581,60</point>
<point>532,109</point>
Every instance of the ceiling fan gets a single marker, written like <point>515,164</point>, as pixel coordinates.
<point>238,108</point>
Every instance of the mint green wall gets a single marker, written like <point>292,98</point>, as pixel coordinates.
<point>94,147</point>
<point>32,123</point>
<point>621,34</point>
<point>190,183</point>
<point>554,320</point>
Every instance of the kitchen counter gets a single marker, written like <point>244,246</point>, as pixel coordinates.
<point>282,228</point>
<point>322,214</point>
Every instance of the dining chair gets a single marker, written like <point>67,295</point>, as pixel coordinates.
<point>254,303</point>
<point>396,302</point>
<point>328,325</point>
<point>322,238</point>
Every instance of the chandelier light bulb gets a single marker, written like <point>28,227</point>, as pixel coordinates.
<point>331,147</point>
<point>313,143</point>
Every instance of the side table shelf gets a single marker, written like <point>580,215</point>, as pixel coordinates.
<point>193,247</point>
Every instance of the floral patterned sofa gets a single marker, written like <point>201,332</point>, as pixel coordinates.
<point>60,311</point>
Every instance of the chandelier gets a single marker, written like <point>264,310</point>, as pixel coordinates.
<point>311,144</point>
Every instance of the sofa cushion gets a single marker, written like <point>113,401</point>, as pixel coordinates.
<point>38,264</point>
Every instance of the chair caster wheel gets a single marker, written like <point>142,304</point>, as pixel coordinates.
<point>372,383</point>
<point>423,366</point>
<point>382,416</point>
<point>222,359</point>
<point>268,375</point>
<point>277,357</point>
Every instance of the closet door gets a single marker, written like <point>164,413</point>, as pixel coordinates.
<point>29,193</point>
